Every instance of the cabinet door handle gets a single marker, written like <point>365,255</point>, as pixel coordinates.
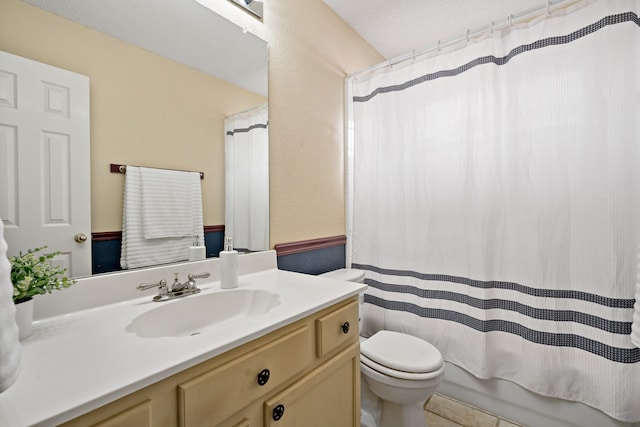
<point>263,377</point>
<point>278,412</point>
<point>345,327</point>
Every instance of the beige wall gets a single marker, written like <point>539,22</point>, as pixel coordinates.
<point>311,51</point>
<point>145,110</point>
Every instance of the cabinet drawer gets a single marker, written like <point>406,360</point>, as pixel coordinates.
<point>137,416</point>
<point>327,397</point>
<point>215,395</point>
<point>336,328</point>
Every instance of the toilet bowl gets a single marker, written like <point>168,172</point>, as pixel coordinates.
<point>400,372</point>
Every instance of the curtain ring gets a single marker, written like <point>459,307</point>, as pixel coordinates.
<point>413,55</point>
<point>491,26</point>
<point>438,45</point>
<point>548,8</point>
<point>468,35</point>
<point>511,20</point>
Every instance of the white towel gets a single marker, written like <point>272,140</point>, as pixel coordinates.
<point>137,251</point>
<point>10,350</point>
<point>166,202</point>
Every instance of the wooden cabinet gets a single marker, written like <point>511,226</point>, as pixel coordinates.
<point>329,396</point>
<point>136,416</point>
<point>336,328</point>
<point>202,401</point>
<point>306,373</point>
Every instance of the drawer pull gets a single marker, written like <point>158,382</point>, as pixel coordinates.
<point>263,377</point>
<point>345,327</point>
<point>278,412</point>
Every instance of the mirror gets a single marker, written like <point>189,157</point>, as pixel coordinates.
<point>252,6</point>
<point>164,76</point>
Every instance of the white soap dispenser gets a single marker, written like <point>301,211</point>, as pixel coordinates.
<point>228,265</point>
<point>197,251</point>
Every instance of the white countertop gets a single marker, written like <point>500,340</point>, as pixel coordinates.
<point>76,362</point>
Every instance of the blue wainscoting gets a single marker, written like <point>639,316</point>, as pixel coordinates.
<point>309,256</point>
<point>105,256</point>
<point>312,256</point>
<point>214,242</point>
<point>105,247</point>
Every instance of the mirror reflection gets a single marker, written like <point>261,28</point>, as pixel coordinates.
<point>164,77</point>
<point>252,6</point>
<point>247,179</point>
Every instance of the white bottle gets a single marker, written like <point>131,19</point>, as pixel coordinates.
<point>197,251</point>
<point>228,265</point>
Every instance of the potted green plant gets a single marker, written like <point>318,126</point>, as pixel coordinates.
<point>33,274</point>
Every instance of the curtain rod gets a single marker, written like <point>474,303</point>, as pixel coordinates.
<point>248,110</point>
<point>116,168</point>
<point>494,25</point>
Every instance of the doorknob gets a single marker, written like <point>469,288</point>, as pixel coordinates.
<point>80,237</point>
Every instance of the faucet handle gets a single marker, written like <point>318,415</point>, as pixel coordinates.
<point>198,276</point>
<point>191,279</point>
<point>144,286</point>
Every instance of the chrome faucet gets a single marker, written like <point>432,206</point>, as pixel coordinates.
<point>177,290</point>
<point>190,284</point>
<point>177,286</point>
<point>191,278</point>
<point>163,289</point>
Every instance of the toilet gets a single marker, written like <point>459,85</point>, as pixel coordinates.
<point>400,372</point>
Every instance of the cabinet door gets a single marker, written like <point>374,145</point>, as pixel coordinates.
<point>328,396</point>
<point>137,416</point>
<point>212,397</point>
<point>118,414</point>
<point>251,416</point>
<point>336,328</point>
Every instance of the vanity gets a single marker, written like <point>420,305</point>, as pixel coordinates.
<point>282,351</point>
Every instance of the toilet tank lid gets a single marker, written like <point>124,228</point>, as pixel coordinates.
<point>345,274</point>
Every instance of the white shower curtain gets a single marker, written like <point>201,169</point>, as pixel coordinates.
<point>496,202</point>
<point>247,179</point>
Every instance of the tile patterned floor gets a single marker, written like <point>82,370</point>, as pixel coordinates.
<point>442,411</point>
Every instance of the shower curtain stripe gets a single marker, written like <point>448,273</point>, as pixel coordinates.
<point>615,354</point>
<point>432,297</point>
<point>495,209</point>
<point>493,284</point>
<point>503,60</point>
<point>612,326</point>
<point>248,129</point>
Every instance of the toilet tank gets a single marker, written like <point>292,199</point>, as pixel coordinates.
<point>346,274</point>
<point>350,275</point>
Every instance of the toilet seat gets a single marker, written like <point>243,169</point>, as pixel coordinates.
<point>413,376</point>
<point>402,356</point>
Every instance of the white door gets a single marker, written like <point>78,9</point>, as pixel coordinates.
<point>45,192</point>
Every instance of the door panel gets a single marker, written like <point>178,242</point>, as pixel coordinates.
<point>44,160</point>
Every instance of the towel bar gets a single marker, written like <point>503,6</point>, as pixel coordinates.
<point>116,168</point>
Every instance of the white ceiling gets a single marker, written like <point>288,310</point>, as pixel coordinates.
<point>182,30</point>
<point>397,27</point>
<point>189,33</point>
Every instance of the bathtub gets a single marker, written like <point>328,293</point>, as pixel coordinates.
<point>508,400</point>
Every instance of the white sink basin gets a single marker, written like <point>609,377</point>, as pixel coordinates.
<point>192,314</point>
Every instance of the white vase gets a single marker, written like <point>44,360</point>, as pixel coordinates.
<point>24,318</point>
